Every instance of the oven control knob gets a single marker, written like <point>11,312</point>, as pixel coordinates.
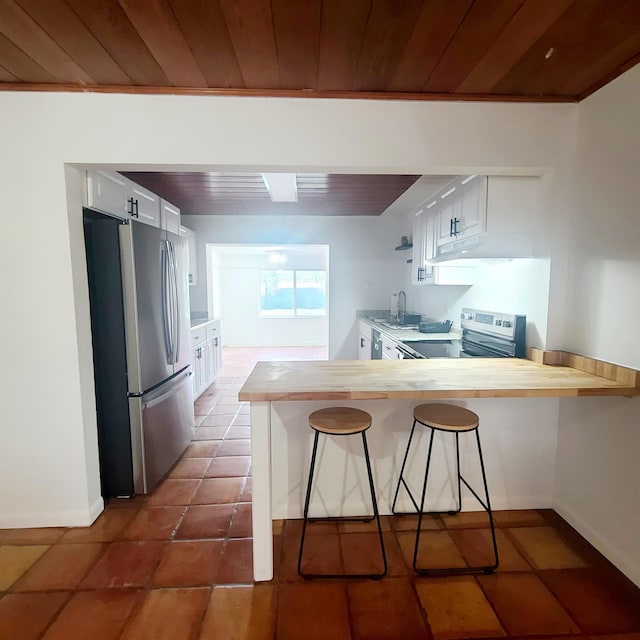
<point>466,316</point>
<point>498,323</point>
<point>506,323</point>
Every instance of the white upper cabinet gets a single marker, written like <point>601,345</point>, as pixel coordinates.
<point>191,254</point>
<point>114,194</point>
<point>473,206</point>
<point>146,205</point>
<point>419,242</point>
<point>487,217</point>
<point>108,192</point>
<point>462,212</point>
<point>425,236</point>
<point>169,217</point>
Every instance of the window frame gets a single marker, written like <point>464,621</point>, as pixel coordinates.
<point>295,315</point>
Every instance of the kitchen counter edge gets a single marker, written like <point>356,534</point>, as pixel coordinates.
<point>425,379</point>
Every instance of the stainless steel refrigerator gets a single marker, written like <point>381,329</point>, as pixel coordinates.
<point>140,331</point>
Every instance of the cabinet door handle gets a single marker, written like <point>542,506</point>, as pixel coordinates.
<point>420,274</point>
<point>451,234</point>
<point>455,226</point>
<point>362,342</point>
<point>134,208</point>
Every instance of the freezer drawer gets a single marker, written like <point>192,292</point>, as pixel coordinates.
<point>166,427</point>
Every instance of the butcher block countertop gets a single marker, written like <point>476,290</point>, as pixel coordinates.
<point>425,379</point>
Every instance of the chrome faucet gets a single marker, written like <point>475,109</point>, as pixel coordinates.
<point>402,306</point>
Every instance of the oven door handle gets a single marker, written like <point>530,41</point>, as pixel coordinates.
<point>408,355</point>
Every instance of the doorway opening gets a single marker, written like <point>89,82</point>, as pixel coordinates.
<point>272,300</point>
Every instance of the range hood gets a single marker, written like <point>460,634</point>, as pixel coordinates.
<point>487,245</point>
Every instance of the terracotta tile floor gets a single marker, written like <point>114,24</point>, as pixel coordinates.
<point>177,564</point>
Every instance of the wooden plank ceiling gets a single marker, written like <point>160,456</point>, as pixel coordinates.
<point>464,49</point>
<point>319,194</point>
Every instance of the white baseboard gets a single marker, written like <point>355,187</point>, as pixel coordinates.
<point>52,518</point>
<point>96,509</point>
<point>609,551</point>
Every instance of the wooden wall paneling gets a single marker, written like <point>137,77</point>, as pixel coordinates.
<point>26,34</point>
<point>226,193</point>
<point>250,26</point>
<point>62,24</point>
<point>480,27</point>
<point>526,27</point>
<point>619,28</point>
<point>341,34</point>
<point>6,76</point>
<point>111,26</point>
<point>577,47</point>
<point>623,375</point>
<point>536,71</point>
<point>435,27</point>
<point>204,26</point>
<point>19,64</point>
<point>388,29</point>
<point>296,27</point>
<point>155,22</point>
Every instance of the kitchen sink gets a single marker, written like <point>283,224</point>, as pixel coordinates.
<point>390,325</point>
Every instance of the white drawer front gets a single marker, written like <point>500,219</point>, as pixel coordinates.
<point>198,336</point>
<point>213,330</point>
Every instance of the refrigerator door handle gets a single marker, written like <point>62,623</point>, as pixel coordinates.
<point>166,303</point>
<point>176,305</point>
<point>176,384</point>
<point>174,301</point>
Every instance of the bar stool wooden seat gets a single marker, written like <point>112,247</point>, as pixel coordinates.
<point>340,421</point>
<point>455,420</point>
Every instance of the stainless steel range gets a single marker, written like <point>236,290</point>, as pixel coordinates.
<point>485,334</point>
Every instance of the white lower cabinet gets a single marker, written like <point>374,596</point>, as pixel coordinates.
<point>389,350</point>
<point>206,354</point>
<point>198,366</point>
<point>364,341</point>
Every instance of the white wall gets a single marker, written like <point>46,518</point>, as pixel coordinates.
<point>45,459</point>
<point>237,282</point>
<point>364,268</point>
<point>513,286</point>
<point>599,439</point>
<point>520,468</point>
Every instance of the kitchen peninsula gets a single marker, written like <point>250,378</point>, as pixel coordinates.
<point>518,430</point>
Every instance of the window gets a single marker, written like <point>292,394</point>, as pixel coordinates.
<point>291,293</point>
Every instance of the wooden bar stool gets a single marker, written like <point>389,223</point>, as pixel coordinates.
<point>340,421</point>
<point>451,419</point>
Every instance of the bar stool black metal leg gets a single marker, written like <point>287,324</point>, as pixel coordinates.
<point>490,569</point>
<point>375,507</point>
<point>401,478</point>
<point>424,494</point>
<point>486,506</point>
<point>307,498</point>
<point>451,513</point>
<point>376,515</point>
